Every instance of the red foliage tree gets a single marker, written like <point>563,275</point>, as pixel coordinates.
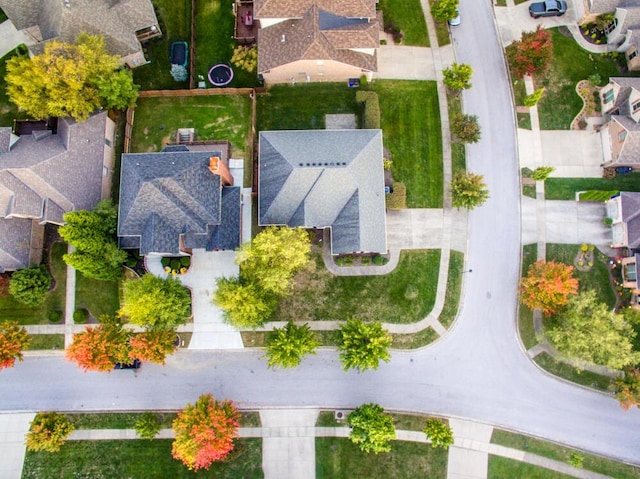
<point>152,345</point>
<point>204,432</point>
<point>531,54</point>
<point>99,348</point>
<point>547,286</point>
<point>13,339</point>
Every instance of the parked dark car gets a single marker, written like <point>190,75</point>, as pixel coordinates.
<point>549,8</point>
<point>623,170</point>
<point>179,53</point>
<point>135,364</point>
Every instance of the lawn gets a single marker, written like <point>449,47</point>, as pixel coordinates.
<point>570,64</point>
<point>99,297</point>
<point>405,295</point>
<point>12,310</point>
<point>46,341</point>
<point>114,420</point>
<point>414,340</point>
<point>174,18</point>
<point>454,287</point>
<point>458,150</point>
<point>137,459</point>
<point>220,117</point>
<point>410,119</point>
<point>501,467</point>
<point>525,320</point>
<point>561,453</point>
<point>338,458</point>
<point>566,188</point>
<point>8,111</point>
<point>566,371</point>
<point>407,15</point>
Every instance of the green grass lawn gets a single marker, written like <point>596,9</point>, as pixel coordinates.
<point>407,15</point>
<point>502,467</point>
<point>8,111</point>
<point>566,188</point>
<point>561,453</point>
<point>175,22</point>
<point>137,459</point>
<point>405,295</point>
<point>566,371</point>
<point>99,297</point>
<point>12,310</point>
<point>570,64</point>
<point>114,420</point>
<point>525,320</point>
<point>46,341</point>
<point>454,286</point>
<point>524,120</point>
<point>415,340</point>
<point>410,119</point>
<point>338,458</point>
<point>224,117</point>
<point>458,151</point>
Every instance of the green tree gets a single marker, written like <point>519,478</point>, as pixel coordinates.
<point>466,128</point>
<point>148,426</point>
<point>541,173</point>
<point>468,190</point>
<point>363,345</point>
<point>439,433</point>
<point>547,286</point>
<point>155,302</point>
<point>13,340</point>
<point>444,10</point>
<point>458,76</point>
<point>627,388</point>
<point>289,345</point>
<point>244,304</point>
<point>69,80</point>
<point>30,285</point>
<point>533,99</point>
<point>589,330</point>
<point>531,54</point>
<point>153,346</point>
<point>49,431</point>
<point>371,429</point>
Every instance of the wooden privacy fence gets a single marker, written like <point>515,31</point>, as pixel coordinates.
<point>128,127</point>
<point>200,92</point>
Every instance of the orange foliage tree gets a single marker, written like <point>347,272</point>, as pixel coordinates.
<point>153,345</point>
<point>531,54</point>
<point>204,432</point>
<point>547,286</point>
<point>100,348</point>
<point>13,339</point>
<point>627,388</point>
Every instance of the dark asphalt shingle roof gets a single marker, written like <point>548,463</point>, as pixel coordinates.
<point>630,214</point>
<point>325,178</point>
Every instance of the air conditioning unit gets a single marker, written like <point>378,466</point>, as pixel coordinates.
<point>340,415</point>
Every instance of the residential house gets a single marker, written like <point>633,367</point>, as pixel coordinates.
<point>620,135</point>
<point>325,179</point>
<point>316,40</point>
<point>45,172</point>
<point>124,24</point>
<point>177,200</point>
<point>624,214</point>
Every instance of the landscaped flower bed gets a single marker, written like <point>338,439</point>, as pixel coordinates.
<point>176,265</point>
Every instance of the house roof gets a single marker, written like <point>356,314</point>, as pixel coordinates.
<point>630,151</point>
<point>318,35</point>
<point>603,6</point>
<point>325,178</point>
<point>172,193</point>
<point>297,8</point>
<point>15,243</point>
<point>116,20</point>
<point>630,214</point>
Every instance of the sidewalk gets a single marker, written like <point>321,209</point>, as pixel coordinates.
<point>13,428</point>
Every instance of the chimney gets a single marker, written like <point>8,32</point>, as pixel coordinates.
<point>219,167</point>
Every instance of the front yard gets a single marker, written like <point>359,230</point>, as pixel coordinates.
<point>566,188</point>
<point>408,17</point>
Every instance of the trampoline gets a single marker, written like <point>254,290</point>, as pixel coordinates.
<point>220,74</point>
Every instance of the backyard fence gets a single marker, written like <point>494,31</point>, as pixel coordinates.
<point>128,127</point>
<point>199,92</point>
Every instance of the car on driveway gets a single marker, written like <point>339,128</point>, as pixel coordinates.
<point>549,8</point>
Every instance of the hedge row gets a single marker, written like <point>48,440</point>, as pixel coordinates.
<point>371,109</point>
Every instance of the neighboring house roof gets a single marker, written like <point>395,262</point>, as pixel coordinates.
<point>42,176</point>
<point>626,84</point>
<point>116,20</point>
<point>325,178</point>
<point>170,194</point>
<point>630,214</point>
<point>297,8</point>
<point>603,6</point>
<point>318,35</point>
<point>630,152</point>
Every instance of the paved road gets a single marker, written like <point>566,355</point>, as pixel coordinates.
<point>478,371</point>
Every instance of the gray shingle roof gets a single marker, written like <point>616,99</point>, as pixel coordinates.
<point>172,193</point>
<point>15,243</point>
<point>630,152</point>
<point>603,6</point>
<point>325,178</point>
<point>630,214</point>
<point>296,8</point>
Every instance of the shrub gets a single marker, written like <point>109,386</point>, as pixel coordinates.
<point>80,316</point>
<point>371,115</point>
<point>165,261</point>
<point>363,80</point>
<point>30,285</point>
<point>148,426</point>
<point>387,163</point>
<point>378,260</point>
<point>439,433</point>
<point>48,432</point>
<point>179,73</point>
<point>398,199</point>
<point>533,99</point>
<point>245,58</point>
<point>466,128</point>
<point>185,261</point>
<point>175,264</point>
<point>542,173</point>
<point>54,316</point>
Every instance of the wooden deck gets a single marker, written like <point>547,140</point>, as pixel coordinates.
<point>246,26</point>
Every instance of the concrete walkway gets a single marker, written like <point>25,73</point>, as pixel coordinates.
<point>10,38</point>
<point>70,303</point>
<point>465,460</point>
<point>13,428</point>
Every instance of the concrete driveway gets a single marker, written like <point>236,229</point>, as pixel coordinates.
<point>397,62</point>
<point>512,21</point>
<point>10,38</point>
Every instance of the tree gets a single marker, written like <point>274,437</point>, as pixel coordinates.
<point>155,302</point>
<point>154,345</point>
<point>289,344</point>
<point>13,340</point>
<point>547,286</point>
<point>439,433</point>
<point>444,10</point>
<point>245,58</point>
<point>273,256</point>
<point>541,173</point>
<point>458,77</point>
<point>466,128</point>
<point>589,330</point>
<point>627,388</point>
<point>99,348</point>
<point>531,54</point>
<point>204,432</point>
<point>30,285</point>
<point>179,73</point>
<point>69,80</point>
<point>245,305</point>
<point>533,99</point>
<point>48,432</point>
<point>468,190</point>
<point>371,429</point>
<point>148,426</point>
<point>363,345</point>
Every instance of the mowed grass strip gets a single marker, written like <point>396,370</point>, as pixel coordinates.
<point>502,467</point>
<point>408,16</point>
<point>223,117</point>
<point>411,128</point>
<point>566,188</point>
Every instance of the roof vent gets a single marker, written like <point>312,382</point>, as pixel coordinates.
<point>283,38</point>
<point>313,164</point>
<point>67,3</point>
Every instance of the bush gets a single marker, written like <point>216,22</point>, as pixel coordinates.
<point>54,316</point>
<point>148,426</point>
<point>175,264</point>
<point>533,99</point>
<point>542,173</point>
<point>245,58</point>
<point>185,261</point>
<point>378,260</point>
<point>179,73</point>
<point>165,261</point>
<point>48,432</point>
<point>131,262</point>
<point>371,120</point>
<point>30,285</point>
<point>398,199</point>
<point>80,316</point>
<point>466,128</point>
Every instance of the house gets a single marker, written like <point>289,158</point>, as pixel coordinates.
<point>624,213</point>
<point>316,40</point>
<point>177,200</point>
<point>124,24</point>
<point>46,171</point>
<point>620,135</point>
<point>325,179</point>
